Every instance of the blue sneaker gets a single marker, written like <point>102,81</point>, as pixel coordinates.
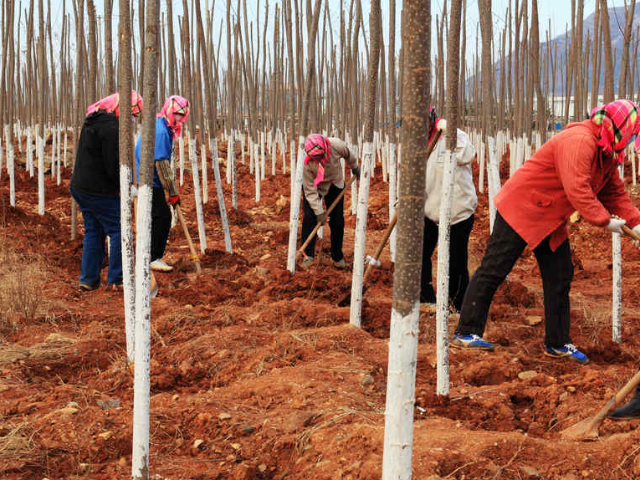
<point>470,341</point>
<point>569,351</point>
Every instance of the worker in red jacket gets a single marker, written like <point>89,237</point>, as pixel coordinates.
<point>575,170</point>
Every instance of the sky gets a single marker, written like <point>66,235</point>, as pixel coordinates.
<point>558,11</point>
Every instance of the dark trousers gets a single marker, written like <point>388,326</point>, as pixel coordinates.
<point>336,224</point>
<point>458,260</point>
<point>504,248</point>
<point>160,223</point>
<point>101,216</point>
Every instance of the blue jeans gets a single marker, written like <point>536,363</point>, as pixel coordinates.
<point>101,218</point>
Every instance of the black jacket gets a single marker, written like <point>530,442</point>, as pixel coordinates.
<point>96,170</point>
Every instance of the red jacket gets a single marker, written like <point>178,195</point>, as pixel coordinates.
<point>568,173</point>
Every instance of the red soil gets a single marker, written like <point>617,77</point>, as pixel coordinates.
<point>264,368</point>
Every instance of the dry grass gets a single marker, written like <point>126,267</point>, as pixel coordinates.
<point>18,448</point>
<point>54,347</point>
<point>21,280</point>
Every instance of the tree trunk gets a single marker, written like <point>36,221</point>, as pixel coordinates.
<point>608,58</point>
<point>403,342</point>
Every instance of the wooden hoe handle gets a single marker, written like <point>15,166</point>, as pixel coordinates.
<point>630,232</point>
<point>329,210</point>
<point>192,248</point>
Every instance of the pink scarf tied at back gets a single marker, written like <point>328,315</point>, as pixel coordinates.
<point>617,123</point>
<point>317,147</point>
<point>111,104</point>
<point>172,105</point>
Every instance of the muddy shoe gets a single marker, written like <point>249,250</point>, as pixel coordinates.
<point>88,287</point>
<point>307,262</point>
<point>160,265</point>
<point>627,412</point>
<point>569,351</point>
<point>472,342</point>
<point>115,288</point>
<point>340,264</point>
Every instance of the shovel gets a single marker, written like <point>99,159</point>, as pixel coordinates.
<point>318,225</point>
<point>192,248</point>
<point>587,429</point>
<point>346,300</point>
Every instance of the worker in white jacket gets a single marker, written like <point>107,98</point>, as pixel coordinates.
<point>462,214</point>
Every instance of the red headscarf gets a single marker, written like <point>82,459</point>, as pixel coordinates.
<point>317,147</point>
<point>617,122</point>
<point>111,104</point>
<point>172,105</point>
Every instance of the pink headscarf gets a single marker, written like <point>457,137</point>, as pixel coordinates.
<point>617,122</point>
<point>111,104</point>
<point>318,148</point>
<point>172,105</point>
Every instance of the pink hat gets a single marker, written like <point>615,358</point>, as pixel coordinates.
<point>172,105</point>
<point>318,148</point>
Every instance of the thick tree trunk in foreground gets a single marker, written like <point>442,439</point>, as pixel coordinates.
<point>403,342</point>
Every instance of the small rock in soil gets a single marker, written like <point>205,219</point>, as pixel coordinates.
<point>527,375</point>
<point>109,404</point>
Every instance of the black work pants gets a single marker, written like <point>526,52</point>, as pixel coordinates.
<point>458,259</point>
<point>160,223</point>
<point>336,224</point>
<point>504,248</point>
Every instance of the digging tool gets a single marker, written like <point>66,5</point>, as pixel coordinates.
<point>346,300</point>
<point>329,210</point>
<point>587,429</point>
<point>192,248</point>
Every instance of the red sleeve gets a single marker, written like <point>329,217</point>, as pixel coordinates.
<point>574,157</point>
<point>615,198</point>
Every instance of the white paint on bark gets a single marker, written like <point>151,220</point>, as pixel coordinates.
<point>359,249</point>
<point>294,208</point>
<point>128,273</point>
<point>196,194</point>
<point>401,383</point>
<point>392,198</point>
<point>220,192</point>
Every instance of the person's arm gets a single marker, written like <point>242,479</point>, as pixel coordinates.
<point>165,172</point>
<point>616,199</point>
<point>574,157</point>
<point>311,192</point>
<point>465,151</point>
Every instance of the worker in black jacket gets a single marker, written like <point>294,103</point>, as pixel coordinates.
<point>95,186</point>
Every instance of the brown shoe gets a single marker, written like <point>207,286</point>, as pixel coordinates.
<point>340,264</point>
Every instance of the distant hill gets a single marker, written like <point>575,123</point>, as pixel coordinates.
<point>560,47</point>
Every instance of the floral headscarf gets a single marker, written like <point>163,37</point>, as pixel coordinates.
<point>317,147</point>
<point>433,121</point>
<point>111,104</point>
<point>617,123</point>
<point>172,105</point>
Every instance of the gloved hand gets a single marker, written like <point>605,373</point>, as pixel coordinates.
<point>356,172</point>
<point>615,224</point>
<point>442,125</point>
<point>175,200</point>
<point>636,230</point>
<point>321,218</point>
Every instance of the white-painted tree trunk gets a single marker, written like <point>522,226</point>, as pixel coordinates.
<point>41,193</point>
<point>234,173</point>
<point>252,155</point>
<point>493,171</point>
<point>58,178</point>
<point>11,167</point>
<point>193,156</point>
<point>294,208</point>
<point>292,168</point>
<point>128,273</point>
<point>273,156</point>
<point>181,157</point>
<point>400,400</point>
<point>616,315</point>
<point>258,175</point>
<point>262,157</point>
<point>355,313</point>
<point>482,163</point>
<point>442,280</point>
<point>205,182</point>
<point>65,148</point>
<point>392,198</point>
<point>354,188</point>
<point>1,155</point>
<point>53,153</point>
<point>141,385</point>
<point>220,192</point>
